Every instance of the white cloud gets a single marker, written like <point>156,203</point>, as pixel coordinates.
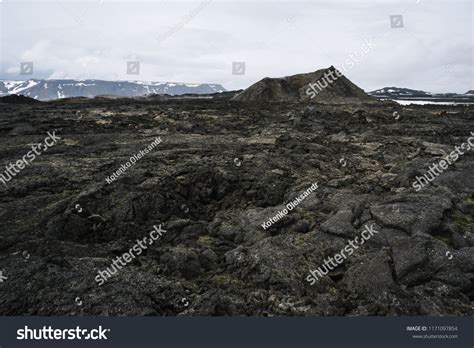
<point>90,39</point>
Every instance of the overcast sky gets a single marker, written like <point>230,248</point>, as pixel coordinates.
<point>197,41</point>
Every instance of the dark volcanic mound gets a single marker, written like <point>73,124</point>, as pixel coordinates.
<point>18,99</point>
<point>296,88</point>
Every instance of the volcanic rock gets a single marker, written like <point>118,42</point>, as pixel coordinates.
<point>17,99</point>
<point>297,88</point>
<point>222,170</point>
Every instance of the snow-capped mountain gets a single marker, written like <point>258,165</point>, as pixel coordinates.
<point>56,89</point>
<point>406,94</point>
<point>396,92</point>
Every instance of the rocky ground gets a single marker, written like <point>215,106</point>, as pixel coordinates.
<point>224,168</point>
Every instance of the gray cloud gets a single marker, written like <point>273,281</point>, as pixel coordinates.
<point>94,39</point>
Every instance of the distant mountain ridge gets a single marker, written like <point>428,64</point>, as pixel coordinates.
<point>398,93</point>
<point>58,89</point>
